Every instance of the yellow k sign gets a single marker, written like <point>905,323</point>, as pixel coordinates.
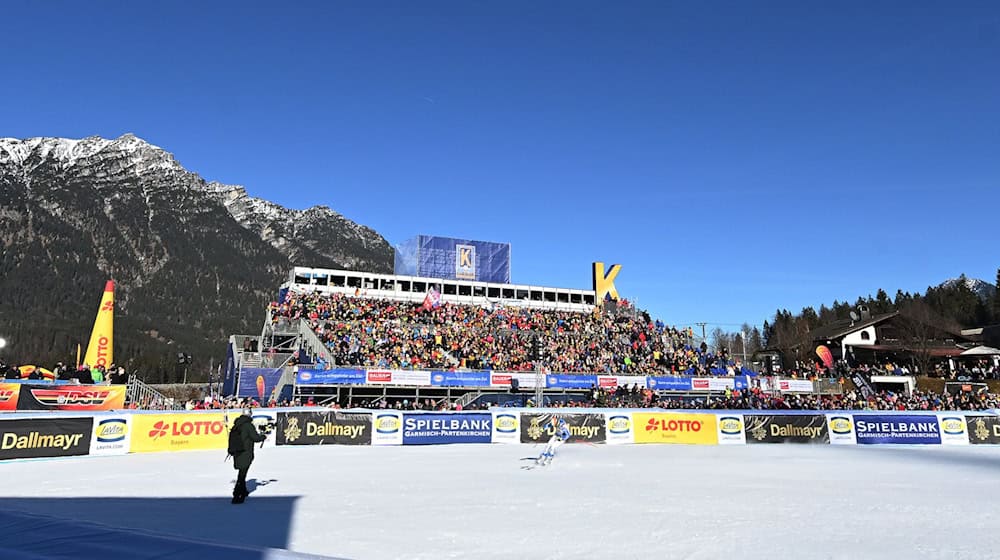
<point>604,283</point>
<point>465,257</point>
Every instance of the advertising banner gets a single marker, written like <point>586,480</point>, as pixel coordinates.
<point>524,380</point>
<point>506,427</point>
<point>9,393</point>
<point>460,378</point>
<point>330,377</point>
<point>259,383</point>
<point>45,437</point>
<point>387,427</point>
<point>71,397</point>
<point>701,384</point>
<point>570,381</point>
<point>111,435</point>
<point>535,427</point>
<point>399,377</point>
<point>875,429</point>
<point>810,428</point>
<point>435,428</point>
<point>619,427</point>
<point>795,386</point>
<point>612,381</point>
<point>180,432</point>
<point>953,429</point>
<point>841,428</point>
<point>669,383</point>
<point>731,429</point>
<point>672,427</point>
<point>327,427</point>
<point>721,383</point>
<point>741,383</point>
<point>454,259</point>
<point>983,429</point>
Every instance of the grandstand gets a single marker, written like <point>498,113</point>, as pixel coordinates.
<point>355,337</point>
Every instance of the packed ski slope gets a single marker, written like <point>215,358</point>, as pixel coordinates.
<point>474,501</point>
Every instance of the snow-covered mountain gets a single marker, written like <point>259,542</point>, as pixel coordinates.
<point>194,260</point>
<point>981,288</point>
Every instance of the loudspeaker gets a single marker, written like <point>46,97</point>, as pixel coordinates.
<point>514,385</point>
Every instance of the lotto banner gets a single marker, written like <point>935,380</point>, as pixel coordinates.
<point>669,427</point>
<point>9,393</point>
<point>536,428</point>
<point>180,432</point>
<point>954,430</point>
<point>619,427</point>
<point>111,435</point>
<point>69,397</point>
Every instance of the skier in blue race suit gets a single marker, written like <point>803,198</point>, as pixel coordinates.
<point>560,433</point>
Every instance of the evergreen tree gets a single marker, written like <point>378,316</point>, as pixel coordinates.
<point>996,299</point>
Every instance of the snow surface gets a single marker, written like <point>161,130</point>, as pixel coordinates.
<point>474,501</point>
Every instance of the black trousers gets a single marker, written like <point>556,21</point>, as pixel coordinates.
<point>241,482</point>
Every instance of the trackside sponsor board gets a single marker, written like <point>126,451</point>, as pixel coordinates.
<point>841,429</point>
<point>731,429</point>
<point>876,428</point>
<point>570,381</point>
<point>330,377</point>
<point>180,432</point>
<point>619,427</point>
<point>431,428</point>
<point>506,427</point>
<point>536,428</point>
<point>669,383</point>
<point>983,429</point>
<point>387,427</point>
<point>9,393</point>
<point>72,397</point>
<point>399,377</point>
<point>671,427</point>
<point>795,386</point>
<point>45,437</point>
<point>524,380</point>
<point>327,427</point>
<point>953,429</point>
<point>460,378</point>
<point>810,428</point>
<point>111,435</point>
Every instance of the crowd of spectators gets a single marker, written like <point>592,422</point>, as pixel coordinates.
<point>83,374</point>
<point>360,331</point>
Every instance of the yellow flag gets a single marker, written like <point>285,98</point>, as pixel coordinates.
<point>100,351</point>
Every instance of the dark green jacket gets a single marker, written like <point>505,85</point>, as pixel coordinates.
<point>250,436</point>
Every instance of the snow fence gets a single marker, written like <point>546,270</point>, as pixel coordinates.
<point>55,434</point>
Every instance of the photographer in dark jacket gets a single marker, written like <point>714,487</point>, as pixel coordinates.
<point>242,439</point>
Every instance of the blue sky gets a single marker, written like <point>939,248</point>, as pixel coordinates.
<point>734,157</point>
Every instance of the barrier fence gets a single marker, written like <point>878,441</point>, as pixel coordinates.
<point>502,380</point>
<point>117,433</point>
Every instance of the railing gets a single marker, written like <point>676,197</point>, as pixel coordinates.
<point>141,395</point>
<point>468,398</point>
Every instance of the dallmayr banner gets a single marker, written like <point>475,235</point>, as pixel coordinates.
<point>323,428</point>
<point>535,427</point>
<point>45,437</point>
<point>983,429</point>
<point>66,397</point>
<point>810,428</point>
<point>180,432</point>
<point>431,428</point>
<point>673,427</point>
<point>877,428</point>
